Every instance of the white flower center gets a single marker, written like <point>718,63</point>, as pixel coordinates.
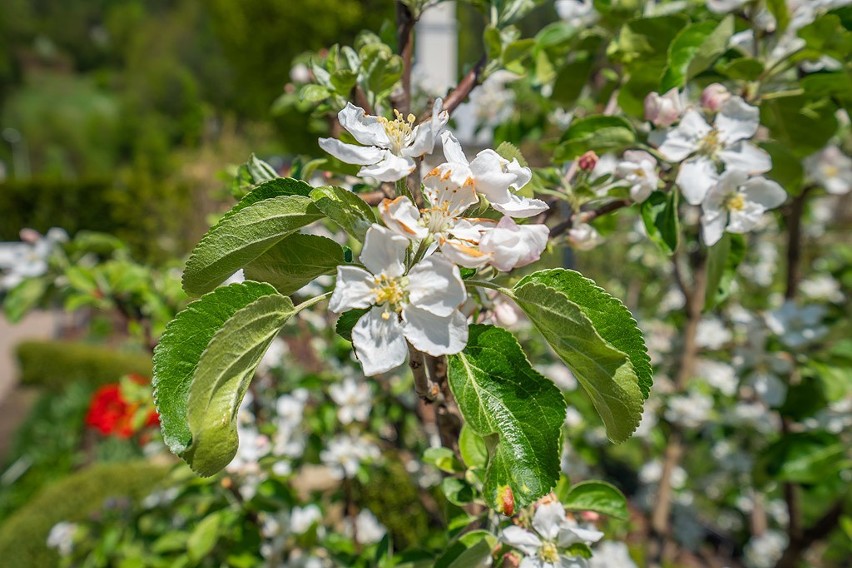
<point>548,553</point>
<point>398,130</point>
<point>390,292</point>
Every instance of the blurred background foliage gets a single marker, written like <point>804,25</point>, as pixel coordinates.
<point>120,116</point>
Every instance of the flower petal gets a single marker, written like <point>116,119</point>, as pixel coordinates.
<point>764,192</point>
<point>354,289</point>
<point>464,254</point>
<point>403,218</point>
<point>365,128</point>
<point>522,539</point>
<point>695,178</point>
<point>426,134</point>
<point>452,149</point>
<point>548,519</point>
<point>379,342</point>
<point>384,251</point>
<point>746,157</point>
<point>737,120</point>
<point>389,168</point>
<point>511,245</point>
<point>435,285</point>
<point>433,334</point>
<point>521,207</point>
<point>350,153</point>
<point>713,225</point>
<point>684,140</point>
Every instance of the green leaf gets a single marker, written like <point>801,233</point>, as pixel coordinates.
<point>346,209</point>
<point>610,318</point>
<point>471,550</point>
<point>23,297</point>
<point>606,373</point>
<point>242,236</point>
<point>694,49</point>
<point>659,214</point>
<point>442,458</point>
<point>457,491</point>
<point>222,377</point>
<point>826,36</point>
<point>722,261</point>
<point>596,133</point>
<point>778,8</point>
<point>347,321</point>
<point>786,169</point>
<point>184,340</point>
<point>295,261</point>
<point>472,447</point>
<point>498,392</point>
<point>742,68</point>
<point>802,457</point>
<point>255,171</point>
<point>203,538</point>
<point>803,125</point>
<point>597,496</point>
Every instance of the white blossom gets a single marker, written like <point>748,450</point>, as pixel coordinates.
<point>367,530</point>
<point>830,168</point>
<point>551,532</point>
<point>577,13</point>
<point>583,236</point>
<point>718,375</point>
<point>736,204</point>
<point>354,400</point>
<point>795,325</point>
<point>714,96</point>
<point>303,518</point>
<point>765,551</point>
<point>389,146</point>
<point>61,537</point>
<point>639,170</point>
<point>27,259</point>
<point>421,306</point>
<point>700,147</point>
<point>611,554</point>
<point>712,333</point>
<point>690,410</point>
<point>345,454</point>
<point>488,173</point>
<point>821,287</point>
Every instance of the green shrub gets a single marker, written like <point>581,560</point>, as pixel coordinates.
<point>55,364</point>
<point>23,536</point>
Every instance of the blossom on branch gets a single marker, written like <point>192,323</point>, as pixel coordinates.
<point>736,204</point>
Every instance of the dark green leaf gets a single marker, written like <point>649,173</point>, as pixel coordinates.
<point>659,214</point>
<point>803,125</point>
<point>694,49</point>
<point>347,321</point>
<point>185,339</point>
<point>498,392</point>
<point>346,209</point>
<point>786,169</point>
<point>597,496</point>
<point>723,258</point>
<point>242,236</point>
<point>743,69</point>
<point>802,457</point>
<point>295,261</point>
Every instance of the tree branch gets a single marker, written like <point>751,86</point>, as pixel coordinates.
<point>405,22</point>
<point>588,216</point>
<point>458,95</point>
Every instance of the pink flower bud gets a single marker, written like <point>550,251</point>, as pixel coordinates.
<point>590,516</point>
<point>663,110</point>
<point>714,96</point>
<point>588,161</point>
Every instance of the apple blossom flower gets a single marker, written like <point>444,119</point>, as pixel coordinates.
<point>712,333</point>
<point>714,96</point>
<point>421,306</point>
<point>61,537</point>
<point>552,532</point>
<point>28,259</point>
<point>702,146</point>
<point>830,168</point>
<point>389,146</point>
<point>821,287</point>
<point>588,161</point>
<point>765,551</point>
<point>509,245</point>
<point>583,236</point>
<point>577,13</point>
<point>795,325</point>
<point>303,518</point>
<point>736,204</point>
<point>366,530</point>
<point>610,554</point>
<point>665,110</point>
<point>488,173</point>
<point>354,400</point>
<point>639,169</point>
<point>344,454</point>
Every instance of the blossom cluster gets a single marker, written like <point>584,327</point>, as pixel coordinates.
<point>416,298</point>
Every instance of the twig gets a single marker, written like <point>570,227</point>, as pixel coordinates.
<point>405,46</point>
<point>588,216</point>
<point>458,95</point>
<point>423,385</point>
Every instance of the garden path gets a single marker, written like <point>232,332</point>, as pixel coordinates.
<point>15,402</point>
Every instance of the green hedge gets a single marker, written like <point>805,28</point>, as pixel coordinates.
<point>23,537</point>
<point>55,364</point>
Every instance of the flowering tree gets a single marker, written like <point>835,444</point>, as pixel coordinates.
<point>680,133</point>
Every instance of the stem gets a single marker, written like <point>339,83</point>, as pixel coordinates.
<point>423,386</point>
<point>405,46</point>
<point>489,285</point>
<point>311,302</point>
<point>588,216</point>
<point>660,528</point>
<point>458,95</point>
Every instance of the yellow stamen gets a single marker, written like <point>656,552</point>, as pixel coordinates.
<point>398,129</point>
<point>548,552</point>
<point>735,202</point>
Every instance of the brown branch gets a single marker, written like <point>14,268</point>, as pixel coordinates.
<point>423,385</point>
<point>794,243</point>
<point>588,216</point>
<point>458,95</point>
<point>405,47</point>
<point>820,529</point>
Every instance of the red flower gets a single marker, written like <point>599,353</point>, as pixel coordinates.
<point>111,414</point>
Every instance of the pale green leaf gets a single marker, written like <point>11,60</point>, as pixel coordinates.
<point>694,49</point>
<point>203,537</point>
<point>295,261</point>
<point>184,340</point>
<point>610,318</point>
<point>345,208</point>
<point>606,373</point>
<point>222,377</point>
<point>242,236</point>
<point>498,392</point>
<point>23,297</point>
<point>596,133</point>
